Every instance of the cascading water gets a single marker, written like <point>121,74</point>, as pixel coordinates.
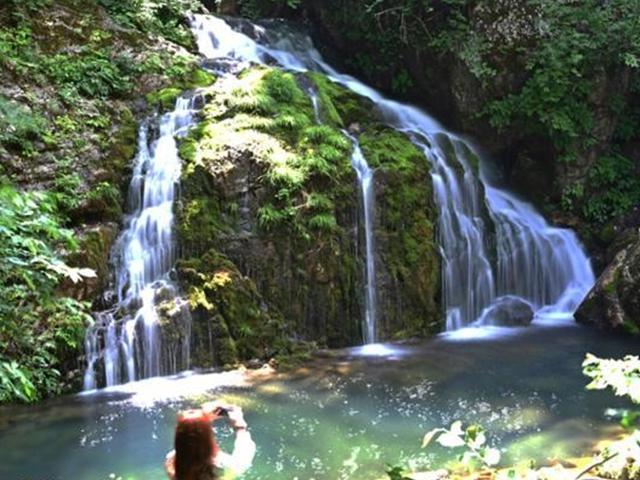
<point>494,246</point>
<point>126,341</point>
<point>365,178</point>
<point>366,181</point>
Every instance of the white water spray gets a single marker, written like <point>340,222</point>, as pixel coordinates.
<point>126,341</point>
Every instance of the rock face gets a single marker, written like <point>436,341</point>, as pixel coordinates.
<point>269,220</point>
<point>508,311</point>
<point>614,302</point>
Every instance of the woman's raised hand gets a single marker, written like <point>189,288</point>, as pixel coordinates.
<point>214,409</point>
<point>236,417</point>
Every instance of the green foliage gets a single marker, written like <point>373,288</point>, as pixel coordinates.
<point>611,189</point>
<point>92,73</point>
<point>622,376</point>
<point>39,329</point>
<point>472,439</point>
<point>19,127</point>
<point>160,17</point>
<point>615,188</point>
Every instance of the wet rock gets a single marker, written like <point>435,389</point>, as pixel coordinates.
<point>95,244</point>
<point>254,364</point>
<point>614,303</point>
<point>508,311</point>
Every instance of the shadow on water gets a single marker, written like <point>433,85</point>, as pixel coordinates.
<point>343,415</point>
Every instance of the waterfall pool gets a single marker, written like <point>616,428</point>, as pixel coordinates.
<point>342,416</point>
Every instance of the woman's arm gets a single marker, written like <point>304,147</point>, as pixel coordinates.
<point>244,448</point>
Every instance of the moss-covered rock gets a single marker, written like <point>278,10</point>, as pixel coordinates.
<point>165,98</point>
<point>409,258</point>
<point>230,320</point>
<point>272,192</point>
<point>613,303</point>
<point>94,245</point>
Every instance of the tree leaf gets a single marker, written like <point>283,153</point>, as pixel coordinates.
<point>450,440</point>
<point>491,456</point>
<point>429,436</point>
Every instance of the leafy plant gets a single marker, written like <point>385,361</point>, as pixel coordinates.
<point>160,17</point>
<point>19,127</point>
<point>93,74</point>
<point>39,328</point>
<point>472,439</point>
<point>622,376</point>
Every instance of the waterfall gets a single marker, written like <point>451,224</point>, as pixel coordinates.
<point>216,39</point>
<point>126,341</point>
<point>365,179</point>
<point>494,246</point>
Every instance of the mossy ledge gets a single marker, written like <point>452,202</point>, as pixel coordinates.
<point>270,205</point>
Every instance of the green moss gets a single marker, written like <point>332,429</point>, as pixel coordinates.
<point>105,201</point>
<point>405,205</point>
<point>266,114</point>
<point>631,328</point>
<point>228,304</point>
<point>165,98</point>
<point>94,247</point>
<point>122,147</point>
<point>341,107</point>
<point>198,78</point>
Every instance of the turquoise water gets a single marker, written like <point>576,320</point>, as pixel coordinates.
<point>343,416</point>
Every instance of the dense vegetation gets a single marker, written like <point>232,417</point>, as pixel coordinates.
<point>71,72</point>
<point>558,78</point>
<point>38,327</point>
<point>562,73</point>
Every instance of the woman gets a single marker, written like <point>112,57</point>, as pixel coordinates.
<point>197,456</point>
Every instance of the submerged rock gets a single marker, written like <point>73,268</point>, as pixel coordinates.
<point>614,303</point>
<point>508,311</point>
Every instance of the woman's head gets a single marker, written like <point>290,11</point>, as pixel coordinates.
<point>195,444</point>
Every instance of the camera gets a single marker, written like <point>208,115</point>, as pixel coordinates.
<point>222,412</point>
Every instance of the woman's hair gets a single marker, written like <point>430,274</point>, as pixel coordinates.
<point>195,445</point>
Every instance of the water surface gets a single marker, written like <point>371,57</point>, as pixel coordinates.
<point>343,416</point>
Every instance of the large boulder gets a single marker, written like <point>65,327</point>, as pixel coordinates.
<point>270,195</point>
<point>508,311</point>
<point>614,303</point>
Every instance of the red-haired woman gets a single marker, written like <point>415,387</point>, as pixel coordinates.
<point>197,456</point>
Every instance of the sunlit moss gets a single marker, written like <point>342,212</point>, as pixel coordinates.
<point>165,98</point>
<point>265,115</point>
<point>341,107</point>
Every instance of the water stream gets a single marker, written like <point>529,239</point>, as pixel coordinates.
<point>365,178</point>
<point>125,342</point>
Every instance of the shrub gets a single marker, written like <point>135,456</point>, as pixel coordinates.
<point>39,329</point>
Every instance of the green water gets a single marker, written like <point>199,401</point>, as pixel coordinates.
<point>343,417</point>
